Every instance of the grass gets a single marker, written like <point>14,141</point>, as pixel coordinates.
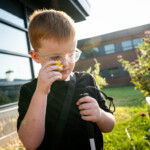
<point>130,130</point>
<point>126,96</point>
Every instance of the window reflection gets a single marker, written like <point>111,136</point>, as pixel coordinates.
<point>13,39</point>
<point>127,45</point>
<point>113,72</point>
<point>12,11</point>
<point>14,68</point>
<point>90,53</point>
<point>109,49</point>
<point>14,71</point>
<point>9,94</point>
<point>136,42</point>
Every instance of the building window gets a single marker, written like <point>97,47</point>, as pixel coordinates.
<point>114,72</point>
<point>13,39</point>
<point>14,71</point>
<point>12,12</point>
<point>15,65</point>
<point>109,49</point>
<point>136,42</point>
<point>90,53</point>
<point>127,45</point>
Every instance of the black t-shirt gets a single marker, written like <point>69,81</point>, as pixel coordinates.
<point>75,133</point>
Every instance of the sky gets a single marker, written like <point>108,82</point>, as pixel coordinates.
<point>113,15</point>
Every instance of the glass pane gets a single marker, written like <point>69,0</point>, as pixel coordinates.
<point>12,11</point>
<point>90,53</point>
<point>127,45</point>
<point>9,94</point>
<point>12,39</point>
<point>14,71</point>
<point>114,72</point>
<point>109,49</point>
<point>95,49</point>
<point>14,68</point>
<point>136,42</point>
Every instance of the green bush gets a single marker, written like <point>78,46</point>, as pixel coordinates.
<point>139,70</point>
<point>96,74</point>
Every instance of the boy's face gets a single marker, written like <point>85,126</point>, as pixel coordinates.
<point>53,48</point>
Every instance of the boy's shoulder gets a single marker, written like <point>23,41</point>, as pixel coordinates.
<point>30,85</point>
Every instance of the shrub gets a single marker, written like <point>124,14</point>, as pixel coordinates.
<point>139,70</point>
<point>96,74</point>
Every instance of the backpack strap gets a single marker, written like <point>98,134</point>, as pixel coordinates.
<point>64,112</point>
<point>106,97</point>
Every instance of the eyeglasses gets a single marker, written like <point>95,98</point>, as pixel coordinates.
<point>72,57</point>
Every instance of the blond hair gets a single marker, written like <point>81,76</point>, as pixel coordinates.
<point>50,24</point>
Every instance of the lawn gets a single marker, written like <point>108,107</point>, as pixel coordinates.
<point>131,130</point>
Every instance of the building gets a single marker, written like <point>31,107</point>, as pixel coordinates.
<point>105,48</point>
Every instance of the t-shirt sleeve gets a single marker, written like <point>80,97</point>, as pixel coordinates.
<point>97,95</point>
<point>23,104</point>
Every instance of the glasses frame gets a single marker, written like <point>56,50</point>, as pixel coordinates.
<point>77,51</point>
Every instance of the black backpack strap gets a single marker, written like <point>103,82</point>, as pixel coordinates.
<point>106,97</point>
<point>64,112</point>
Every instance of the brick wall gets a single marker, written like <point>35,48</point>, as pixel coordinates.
<point>107,61</point>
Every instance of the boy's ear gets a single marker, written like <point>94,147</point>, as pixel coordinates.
<point>34,56</point>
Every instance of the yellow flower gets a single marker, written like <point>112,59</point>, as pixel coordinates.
<point>142,91</point>
<point>59,64</point>
<point>146,93</point>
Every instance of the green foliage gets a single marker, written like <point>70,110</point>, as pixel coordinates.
<point>96,74</point>
<point>139,70</point>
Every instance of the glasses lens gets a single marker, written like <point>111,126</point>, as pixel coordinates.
<point>78,54</point>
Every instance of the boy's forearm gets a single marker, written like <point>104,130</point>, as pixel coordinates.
<point>106,121</point>
<point>32,128</point>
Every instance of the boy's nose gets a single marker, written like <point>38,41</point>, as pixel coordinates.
<point>65,62</point>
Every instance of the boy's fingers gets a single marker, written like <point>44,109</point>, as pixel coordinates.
<point>84,106</point>
<point>54,78</point>
<point>52,68</point>
<point>86,99</point>
<point>49,63</point>
<point>85,112</point>
<point>53,73</point>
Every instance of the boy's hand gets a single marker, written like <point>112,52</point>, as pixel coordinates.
<point>89,109</point>
<point>47,75</point>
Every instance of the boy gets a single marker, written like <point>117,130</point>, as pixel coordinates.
<point>52,35</point>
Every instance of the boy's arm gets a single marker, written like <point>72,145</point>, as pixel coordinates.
<point>32,129</point>
<point>106,121</point>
